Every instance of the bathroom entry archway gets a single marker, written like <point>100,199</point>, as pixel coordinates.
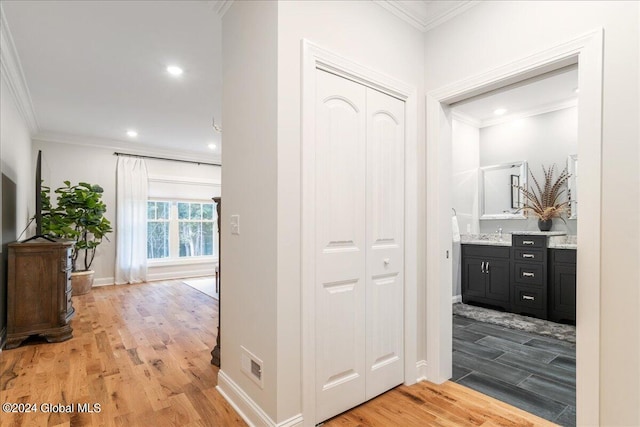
<point>586,51</point>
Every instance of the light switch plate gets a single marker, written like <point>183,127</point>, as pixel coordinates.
<point>235,224</point>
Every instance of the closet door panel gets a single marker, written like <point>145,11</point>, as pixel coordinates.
<point>341,246</point>
<point>385,242</point>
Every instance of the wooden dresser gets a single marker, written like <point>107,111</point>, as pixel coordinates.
<point>39,291</point>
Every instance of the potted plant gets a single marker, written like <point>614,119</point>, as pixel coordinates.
<point>78,216</point>
<point>545,202</point>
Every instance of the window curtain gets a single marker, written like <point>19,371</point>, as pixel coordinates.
<point>131,226</point>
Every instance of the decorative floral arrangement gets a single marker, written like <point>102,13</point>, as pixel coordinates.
<point>546,202</point>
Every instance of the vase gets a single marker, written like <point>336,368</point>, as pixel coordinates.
<point>81,282</point>
<point>545,225</point>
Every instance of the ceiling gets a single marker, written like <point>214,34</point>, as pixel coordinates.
<point>549,92</point>
<point>89,71</point>
<point>96,69</point>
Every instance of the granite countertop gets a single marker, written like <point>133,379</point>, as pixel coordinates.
<point>557,239</point>
<point>563,242</point>
<point>486,239</point>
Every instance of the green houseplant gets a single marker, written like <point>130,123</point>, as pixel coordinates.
<point>546,201</point>
<point>78,216</point>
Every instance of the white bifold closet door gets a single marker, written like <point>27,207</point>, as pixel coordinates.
<point>359,224</point>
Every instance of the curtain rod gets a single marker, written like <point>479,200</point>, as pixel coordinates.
<point>165,158</point>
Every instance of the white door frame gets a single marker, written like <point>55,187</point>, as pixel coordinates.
<point>315,57</point>
<point>587,51</point>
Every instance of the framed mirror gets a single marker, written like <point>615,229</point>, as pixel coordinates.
<point>572,186</point>
<point>498,198</point>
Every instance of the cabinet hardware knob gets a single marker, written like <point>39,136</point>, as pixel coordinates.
<point>527,274</point>
<point>386,261</point>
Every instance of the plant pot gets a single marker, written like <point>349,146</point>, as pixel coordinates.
<point>545,225</point>
<point>82,282</point>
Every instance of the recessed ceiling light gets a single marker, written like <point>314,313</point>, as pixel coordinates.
<point>132,133</point>
<point>212,146</point>
<point>499,111</point>
<point>174,70</point>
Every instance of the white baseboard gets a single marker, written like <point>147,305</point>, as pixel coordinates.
<point>104,281</point>
<point>171,275</point>
<point>421,366</point>
<point>456,299</point>
<point>249,410</point>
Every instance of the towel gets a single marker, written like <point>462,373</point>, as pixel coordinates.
<point>455,229</point>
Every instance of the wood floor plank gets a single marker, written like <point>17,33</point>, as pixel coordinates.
<point>143,353</point>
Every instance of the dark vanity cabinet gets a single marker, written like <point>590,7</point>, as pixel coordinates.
<point>526,278</point>
<point>562,285</point>
<point>485,275</point>
<point>529,275</point>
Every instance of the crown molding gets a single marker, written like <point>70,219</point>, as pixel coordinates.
<point>11,70</point>
<point>221,6</point>
<point>124,146</point>
<point>450,14</point>
<point>548,108</point>
<point>422,23</point>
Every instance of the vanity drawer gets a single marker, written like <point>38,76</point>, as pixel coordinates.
<point>566,256</point>
<point>530,274</point>
<point>536,255</point>
<point>486,251</point>
<point>525,296</point>
<point>525,241</point>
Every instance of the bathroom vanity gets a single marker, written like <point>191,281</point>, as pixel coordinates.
<point>529,273</point>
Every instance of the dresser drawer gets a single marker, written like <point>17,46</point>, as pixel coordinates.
<point>524,241</point>
<point>529,273</point>
<point>521,254</point>
<point>525,296</point>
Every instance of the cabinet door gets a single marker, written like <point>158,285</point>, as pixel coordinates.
<point>497,280</point>
<point>473,277</point>
<point>564,290</point>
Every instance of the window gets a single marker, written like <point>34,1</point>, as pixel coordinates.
<point>181,230</point>
<point>158,229</point>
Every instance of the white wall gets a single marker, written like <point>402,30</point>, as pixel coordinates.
<point>465,160</point>
<point>16,159</point>
<point>360,31</point>
<point>494,33</point>
<point>75,163</point>
<point>248,260</point>
<point>545,139</point>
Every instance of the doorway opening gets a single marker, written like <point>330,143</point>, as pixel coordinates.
<point>501,141</point>
<point>585,52</point>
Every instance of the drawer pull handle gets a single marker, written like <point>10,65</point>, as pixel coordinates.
<point>486,269</point>
<point>528,256</point>
<point>482,267</point>
<point>527,274</point>
<point>528,297</point>
<point>528,242</point>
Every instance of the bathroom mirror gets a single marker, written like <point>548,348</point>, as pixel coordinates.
<point>572,186</point>
<point>498,198</point>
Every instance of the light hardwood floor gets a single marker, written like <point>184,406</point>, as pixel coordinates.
<point>143,353</point>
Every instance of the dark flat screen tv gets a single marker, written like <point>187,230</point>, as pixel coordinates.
<point>38,194</point>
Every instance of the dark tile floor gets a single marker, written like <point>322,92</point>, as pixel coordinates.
<point>534,373</point>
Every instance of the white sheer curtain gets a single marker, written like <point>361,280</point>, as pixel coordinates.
<point>131,224</point>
